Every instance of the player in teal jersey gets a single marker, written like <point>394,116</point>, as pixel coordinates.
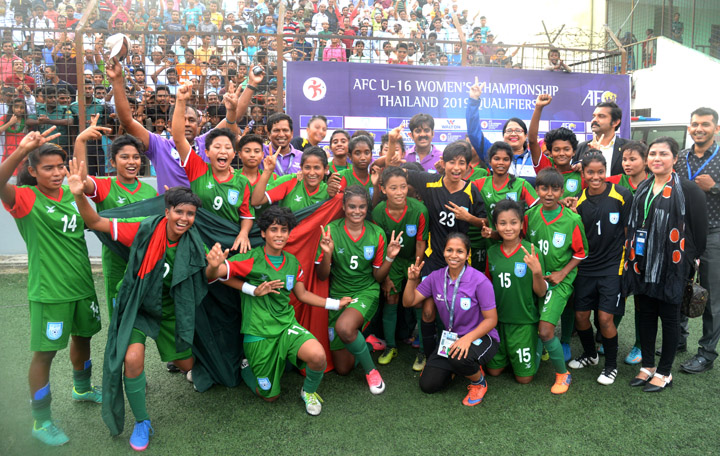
<point>516,271</point>
<point>250,150</point>
<point>295,191</point>
<point>339,141</point>
<point>61,292</point>
<point>224,191</point>
<point>360,259</point>
<point>360,148</point>
<point>109,192</point>
<point>395,215</point>
<point>559,236</point>
<point>634,162</point>
<point>272,335</point>
<point>154,239</point>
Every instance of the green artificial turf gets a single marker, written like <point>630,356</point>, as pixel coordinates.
<point>513,419</point>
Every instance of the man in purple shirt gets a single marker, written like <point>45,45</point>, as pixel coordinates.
<point>161,151</point>
<point>422,131</point>
<point>280,128</point>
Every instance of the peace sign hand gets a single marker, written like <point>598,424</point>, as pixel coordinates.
<point>531,259</point>
<point>35,139</point>
<point>270,161</point>
<point>460,212</point>
<point>415,269</point>
<point>394,246</point>
<point>596,143</point>
<point>93,132</point>
<point>326,243</point>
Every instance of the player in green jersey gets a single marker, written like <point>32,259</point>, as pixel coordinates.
<point>559,236</point>
<point>360,259</point>
<point>339,141</point>
<point>295,191</point>
<point>223,191</point>
<point>155,240</point>
<point>360,148</point>
<point>272,335</point>
<point>61,292</point>
<point>516,293</point>
<point>109,192</point>
<point>399,214</point>
<point>634,162</point>
<point>250,150</point>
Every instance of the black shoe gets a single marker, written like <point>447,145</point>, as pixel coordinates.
<point>639,381</point>
<point>667,382</point>
<point>682,348</point>
<point>696,365</point>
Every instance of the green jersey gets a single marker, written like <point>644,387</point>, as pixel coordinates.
<point>412,223</point>
<point>229,199</point>
<point>513,284</point>
<point>58,263</point>
<point>477,172</point>
<point>353,260</point>
<point>349,177</point>
<point>573,183</point>
<point>168,303</point>
<point>518,190</point>
<point>262,207</point>
<point>269,315</point>
<point>558,235</point>
<point>288,192</point>
<point>622,180</point>
<point>337,168</point>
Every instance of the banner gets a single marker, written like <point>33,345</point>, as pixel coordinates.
<point>378,98</point>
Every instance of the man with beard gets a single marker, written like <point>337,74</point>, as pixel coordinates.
<point>606,120</point>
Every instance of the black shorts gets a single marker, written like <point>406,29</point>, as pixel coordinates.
<point>439,370</point>
<point>599,293</point>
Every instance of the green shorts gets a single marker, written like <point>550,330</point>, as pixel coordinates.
<point>398,274</point>
<point>266,357</point>
<point>52,324</point>
<point>165,341</point>
<point>364,302</point>
<point>518,348</point>
<point>113,272</point>
<point>555,300</point>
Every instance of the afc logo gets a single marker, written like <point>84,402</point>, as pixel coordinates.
<point>594,97</point>
<point>314,89</point>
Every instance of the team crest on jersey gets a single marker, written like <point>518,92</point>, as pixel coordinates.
<point>614,217</point>
<point>372,190</point>
<point>233,196</point>
<point>369,251</point>
<point>54,330</point>
<point>264,384</point>
<point>411,230</point>
<point>558,239</point>
<point>331,334</point>
<point>511,196</point>
<point>289,282</point>
<point>465,303</point>
<point>175,154</point>
<point>74,204</point>
<point>520,269</point>
<point>571,185</point>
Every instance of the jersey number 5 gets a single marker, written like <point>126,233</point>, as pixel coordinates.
<point>354,262</point>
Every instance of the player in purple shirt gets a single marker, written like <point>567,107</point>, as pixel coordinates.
<point>464,299</point>
<point>161,151</point>
<point>280,133</point>
<point>422,131</point>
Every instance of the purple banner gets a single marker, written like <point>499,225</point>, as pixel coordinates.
<point>379,97</point>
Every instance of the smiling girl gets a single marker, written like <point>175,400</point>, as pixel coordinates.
<point>339,141</point>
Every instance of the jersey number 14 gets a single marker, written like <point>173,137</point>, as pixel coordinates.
<point>69,223</point>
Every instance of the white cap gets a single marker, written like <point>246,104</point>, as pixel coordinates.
<point>115,44</point>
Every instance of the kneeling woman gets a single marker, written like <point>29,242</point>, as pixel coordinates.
<point>465,300</point>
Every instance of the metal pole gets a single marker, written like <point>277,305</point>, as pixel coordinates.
<point>79,63</point>
<point>281,57</point>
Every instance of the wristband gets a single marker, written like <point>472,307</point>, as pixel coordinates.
<point>251,87</point>
<point>332,304</point>
<point>389,260</point>
<point>230,123</point>
<point>248,289</point>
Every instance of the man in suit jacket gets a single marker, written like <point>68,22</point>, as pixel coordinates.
<point>606,120</point>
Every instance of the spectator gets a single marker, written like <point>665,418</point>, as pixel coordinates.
<point>336,51</point>
<point>22,82</point>
<point>95,156</point>
<point>65,63</point>
<point>216,17</point>
<point>51,77</point>
<point>14,125</point>
<point>7,58</point>
<point>320,18</point>
<point>677,28</point>
<point>359,53</point>
<point>193,13</point>
<point>268,27</point>
<point>556,64</point>
<point>36,67</point>
<point>401,53</point>
<point>21,35</point>
<point>206,26</point>
<point>55,112</point>
<point>50,11</point>
<point>648,48</point>
<point>290,27</point>
<point>39,21</point>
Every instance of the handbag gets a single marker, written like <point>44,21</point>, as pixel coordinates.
<point>694,298</point>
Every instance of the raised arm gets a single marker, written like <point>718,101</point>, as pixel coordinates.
<point>30,142</point>
<point>122,106</point>
<point>93,132</point>
<point>77,175</point>
<point>258,195</point>
<point>178,120</point>
<point>327,246</point>
<point>392,250</point>
<point>542,101</point>
<point>472,117</point>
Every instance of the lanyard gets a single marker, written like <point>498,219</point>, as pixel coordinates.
<point>693,176</point>
<point>285,170</point>
<point>649,201</point>
<point>451,308</point>
<point>526,155</point>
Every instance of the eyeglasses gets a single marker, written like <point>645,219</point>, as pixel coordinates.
<point>517,131</point>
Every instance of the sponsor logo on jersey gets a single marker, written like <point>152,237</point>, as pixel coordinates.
<point>511,196</point>
<point>54,330</point>
<point>439,297</point>
<point>533,232</point>
<point>51,209</point>
<point>520,269</point>
<point>264,383</point>
<point>411,230</point>
<point>614,217</point>
<point>210,186</point>
<point>121,200</point>
<point>233,196</point>
<point>263,278</point>
<point>558,239</point>
<point>341,250</point>
<point>369,251</point>
<point>571,185</point>
<point>289,282</point>
<point>489,194</point>
<point>465,303</point>
<point>298,198</point>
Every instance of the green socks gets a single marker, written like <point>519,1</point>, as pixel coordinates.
<point>41,405</point>
<point>554,348</point>
<point>567,323</point>
<point>389,321</point>
<point>135,392</point>
<point>312,380</point>
<point>359,349</point>
<point>81,378</point>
